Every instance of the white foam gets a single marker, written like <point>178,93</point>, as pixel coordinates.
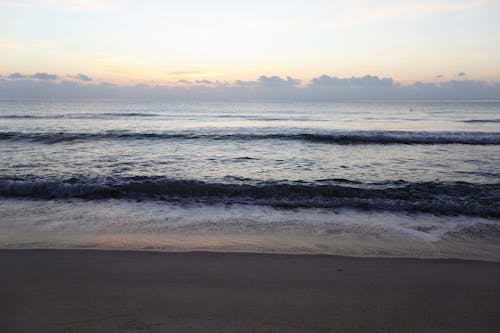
<point>157,225</point>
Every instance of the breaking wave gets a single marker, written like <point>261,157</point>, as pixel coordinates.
<point>480,121</point>
<point>430,197</point>
<point>340,138</point>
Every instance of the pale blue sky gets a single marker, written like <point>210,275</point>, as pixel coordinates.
<point>165,41</point>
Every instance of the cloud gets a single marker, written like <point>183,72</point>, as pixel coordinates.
<point>36,76</point>
<point>276,81</point>
<point>364,81</point>
<point>245,83</point>
<point>81,77</point>
<point>269,81</point>
<point>461,74</point>
<point>44,76</point>
<point>16,76</point>
<point>424,85</point>
<point>371,81</point>
<point>203,82</point>
<point>322,88</point>
<point>329,81</point>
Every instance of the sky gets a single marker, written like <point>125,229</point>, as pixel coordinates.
<point>239,44</point>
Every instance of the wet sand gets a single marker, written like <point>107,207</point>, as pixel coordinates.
<point>126,291</point>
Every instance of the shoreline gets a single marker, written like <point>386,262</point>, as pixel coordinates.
<point>161,226</point>
<point>88,290</point>
<point>256,253</point>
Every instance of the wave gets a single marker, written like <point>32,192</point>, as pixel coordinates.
<point>431,197</point>
<point>480,121</point>
<point>341,138</point>
<point>13,116</point>
<point>82,115</point>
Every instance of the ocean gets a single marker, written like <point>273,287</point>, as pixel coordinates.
<point>369,178</point>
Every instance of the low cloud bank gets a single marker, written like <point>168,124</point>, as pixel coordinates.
<point>38,76</point>
<point>324,87</point>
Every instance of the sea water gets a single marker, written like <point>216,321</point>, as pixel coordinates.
<point>398,178</point>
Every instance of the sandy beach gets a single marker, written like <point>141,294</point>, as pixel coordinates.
<point>120,291</point>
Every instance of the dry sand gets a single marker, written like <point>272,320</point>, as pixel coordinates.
<point>126,291</point>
